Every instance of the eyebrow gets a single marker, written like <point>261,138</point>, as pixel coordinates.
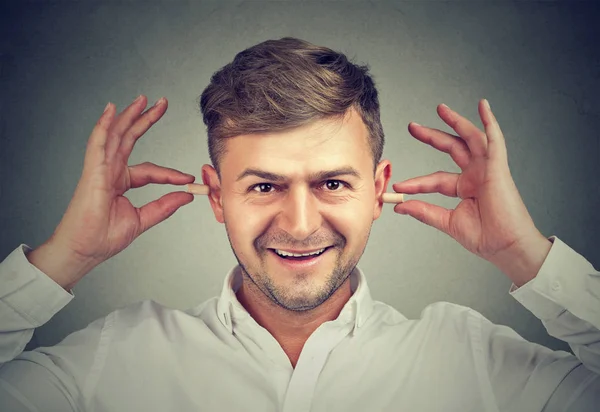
<point>317,176</point>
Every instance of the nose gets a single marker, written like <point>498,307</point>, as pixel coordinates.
<point>300,215</point>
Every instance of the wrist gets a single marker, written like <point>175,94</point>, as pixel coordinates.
<point>522,262</point>
<point>59,264</point>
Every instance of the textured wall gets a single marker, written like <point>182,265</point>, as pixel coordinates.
<point>535,62</point>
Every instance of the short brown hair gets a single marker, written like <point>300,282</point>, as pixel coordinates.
<point>282,84</point>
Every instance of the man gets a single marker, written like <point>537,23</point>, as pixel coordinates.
<point>296,143</point>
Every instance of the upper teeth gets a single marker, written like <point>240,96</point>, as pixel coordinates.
<point>284,253</point>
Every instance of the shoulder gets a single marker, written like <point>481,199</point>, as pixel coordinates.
<point>454,319</point>
<point>434,313</point>
<point>448,311</point>
<point>437,322</point>
<point>151,316</point>
<point>148,309</point>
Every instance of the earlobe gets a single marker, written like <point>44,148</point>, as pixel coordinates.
<point>211,179</point>
<point>383,175</point>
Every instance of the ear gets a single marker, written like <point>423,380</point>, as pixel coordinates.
<point>383,173</point>
<point>211,179</point>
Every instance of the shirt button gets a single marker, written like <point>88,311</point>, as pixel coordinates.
<point>555,286</point>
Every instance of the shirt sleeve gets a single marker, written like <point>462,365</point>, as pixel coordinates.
<point>565,296</point>
<point>42,379</point>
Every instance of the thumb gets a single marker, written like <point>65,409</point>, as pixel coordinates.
<point>162,208</point>
<point>432,215</point>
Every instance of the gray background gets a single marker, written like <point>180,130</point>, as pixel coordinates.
<point>537,64</point>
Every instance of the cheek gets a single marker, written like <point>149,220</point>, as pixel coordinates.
<point>245,224</point>
<point>352,221</point>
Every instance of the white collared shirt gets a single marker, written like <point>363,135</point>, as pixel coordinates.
<point>215,357</point>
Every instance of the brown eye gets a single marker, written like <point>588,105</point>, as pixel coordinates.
<point>333,185</point>
<point>262,187</point>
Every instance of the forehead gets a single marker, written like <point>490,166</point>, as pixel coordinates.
<point>320,145</point>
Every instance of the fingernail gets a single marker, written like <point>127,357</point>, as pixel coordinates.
<point>415,123</point>
<point>106,108</point>
<point>159,102</point>
<point>138,99</point>
<point>443,105</point>
<point>487,104</point>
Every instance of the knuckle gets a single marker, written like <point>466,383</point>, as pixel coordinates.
<point>149,118</point>
<point>139,127</point>
<point>458,145</point>
<point>129,135</point>
<point>111,133</point>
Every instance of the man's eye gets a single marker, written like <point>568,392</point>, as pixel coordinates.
<point>334,185</point>
<point>331,185</point>
<point>262,187</point>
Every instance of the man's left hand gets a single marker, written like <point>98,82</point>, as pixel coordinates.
<point>491,221</point>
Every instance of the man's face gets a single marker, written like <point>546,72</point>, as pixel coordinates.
<point>277,193</point>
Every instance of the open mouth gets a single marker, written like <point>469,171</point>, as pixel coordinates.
<point>306,257</point>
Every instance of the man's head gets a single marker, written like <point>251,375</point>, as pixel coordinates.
<point>295,139</point>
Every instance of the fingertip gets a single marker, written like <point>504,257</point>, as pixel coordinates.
<point>444,112</point>
<point>399,186</point>
<point>184,200</point>
<point>106,115</point>
<point>399,210</point>
<point>487,114</point>
<point>161,103</point>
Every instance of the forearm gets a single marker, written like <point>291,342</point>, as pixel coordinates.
<point>565,296</point>
<point>29,299</point>
<point>59,265</point>
<point>48,378</point>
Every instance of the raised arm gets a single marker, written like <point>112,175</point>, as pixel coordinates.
<point>555,283</point>
<point>99,223</point>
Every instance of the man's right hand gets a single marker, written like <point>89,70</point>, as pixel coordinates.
<point>100,222</point>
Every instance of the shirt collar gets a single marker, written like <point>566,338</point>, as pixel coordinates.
<point>356,310</point>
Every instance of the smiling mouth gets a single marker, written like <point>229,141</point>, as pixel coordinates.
<point>288,256</point>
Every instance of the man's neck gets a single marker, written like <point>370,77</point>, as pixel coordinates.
<point>291,328</point>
